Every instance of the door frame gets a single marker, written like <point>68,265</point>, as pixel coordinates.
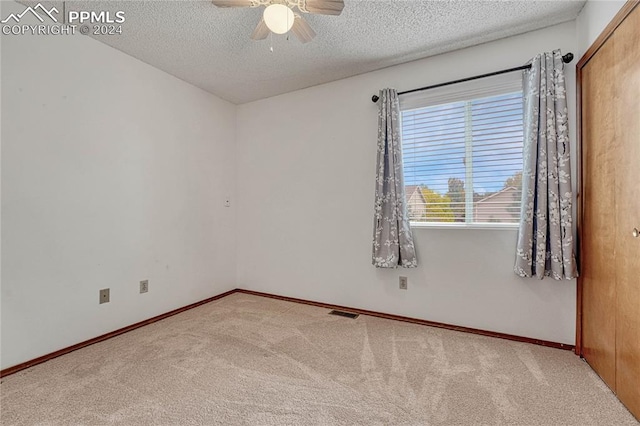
<point>624,11</point>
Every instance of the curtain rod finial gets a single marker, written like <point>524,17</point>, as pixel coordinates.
<point>567,58</point>
<point>375,98</point>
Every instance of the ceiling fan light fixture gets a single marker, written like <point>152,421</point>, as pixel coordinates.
<point>279,18</point>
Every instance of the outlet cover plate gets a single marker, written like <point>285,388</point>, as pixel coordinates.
<point>144,286</point>
<point>403,283</point>
<point>104,295</point>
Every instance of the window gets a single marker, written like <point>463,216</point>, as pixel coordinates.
<point>462,152</point>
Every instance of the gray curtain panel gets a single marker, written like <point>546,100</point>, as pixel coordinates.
<point>392,239</point>
<point>545,238</point>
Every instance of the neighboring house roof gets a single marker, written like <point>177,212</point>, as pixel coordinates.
<point>502,191</point>
<point>409,190</point>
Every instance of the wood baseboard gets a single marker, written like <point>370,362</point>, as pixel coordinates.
<point>415,320</point>
<point>47,357</point>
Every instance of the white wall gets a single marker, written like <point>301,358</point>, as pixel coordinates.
<point>306,166</point>
<point>0,200</point>
<point>593,18</point>
<point>112,172</point>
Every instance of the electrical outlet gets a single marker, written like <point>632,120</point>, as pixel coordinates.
<point>144,286</point>
<point>104,295</point>
<point>403,283</point>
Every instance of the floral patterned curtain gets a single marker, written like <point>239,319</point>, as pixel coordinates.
<point>545,238</point>
<point>392,239</point>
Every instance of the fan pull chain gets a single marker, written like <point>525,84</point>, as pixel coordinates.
<point>271,41</point>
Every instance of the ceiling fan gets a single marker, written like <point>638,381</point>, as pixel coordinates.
<point>279,17</point>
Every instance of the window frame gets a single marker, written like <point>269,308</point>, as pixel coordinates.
<point>472,89</point>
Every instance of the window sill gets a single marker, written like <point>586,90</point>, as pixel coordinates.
<point>488,226</point>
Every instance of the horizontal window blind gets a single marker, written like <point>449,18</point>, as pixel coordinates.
<point>462,152</point>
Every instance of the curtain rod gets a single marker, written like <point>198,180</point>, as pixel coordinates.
<point>566,59</point>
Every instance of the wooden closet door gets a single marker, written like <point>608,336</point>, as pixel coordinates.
<point>598,265</point>
<point>610,252</point>
<point>627,72</point>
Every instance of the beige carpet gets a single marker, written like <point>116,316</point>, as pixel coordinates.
<point>247,360</point>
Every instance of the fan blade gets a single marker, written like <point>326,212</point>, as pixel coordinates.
<point>261,32</point>
<point>302,30</point>
<point>324,7</point>
<point>234,3</point>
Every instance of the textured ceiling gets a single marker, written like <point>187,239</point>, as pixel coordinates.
<point>210,47</point>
